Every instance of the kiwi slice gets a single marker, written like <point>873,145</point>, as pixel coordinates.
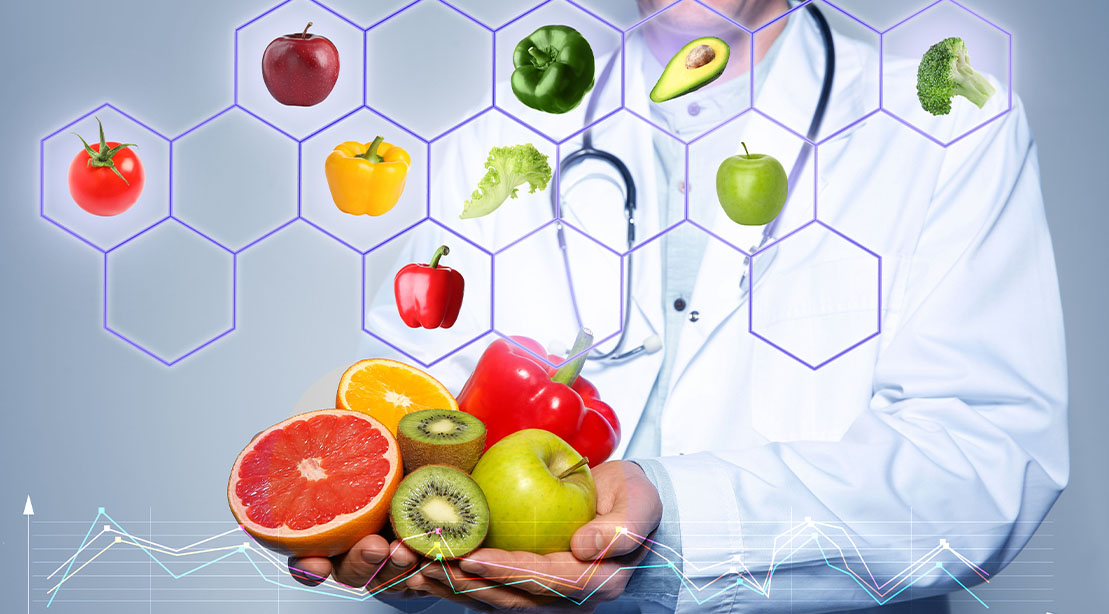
<point>439,511</point>
<point>440,437</point>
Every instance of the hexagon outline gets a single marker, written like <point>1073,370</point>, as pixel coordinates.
<point>452,352</point>
<point>470,17</point>
<point>855,122</point>
<point>596,342</point>
<point>235,60</point>
<point>204,344</point>
<point>383,20</point>
<point>881,77</point>
<point>300,174</point>
<point>554,171</point>
<point>558,180</point>
<point>365,101</point>
<point>42,177</point>
<point>652,16</point>
<point>202,123</point>
<point>620,50</point>
<point>841,353</point>
<point>750,65</point>
<point>816,183</point>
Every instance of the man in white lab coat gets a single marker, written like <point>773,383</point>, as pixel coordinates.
<point>764,484</point>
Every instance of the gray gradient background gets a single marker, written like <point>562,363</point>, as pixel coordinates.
<point>88,421</point>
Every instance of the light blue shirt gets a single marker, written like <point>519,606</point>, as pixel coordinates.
<point>655,585</point>
<point>682,250</point>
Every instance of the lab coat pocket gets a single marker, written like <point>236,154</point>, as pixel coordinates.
<point>814,365</point>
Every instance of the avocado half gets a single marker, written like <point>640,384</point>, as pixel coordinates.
<point>694,66</point>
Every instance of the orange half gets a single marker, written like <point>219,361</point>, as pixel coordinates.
<point>387,390</point>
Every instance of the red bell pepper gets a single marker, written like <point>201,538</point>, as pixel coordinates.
<point>429,295</point>
<point>511,390</point>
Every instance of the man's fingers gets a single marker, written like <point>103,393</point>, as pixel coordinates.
<point>474,587</point>
<point>362,563</point>
<point>635,510</point>
<point>310,571</point>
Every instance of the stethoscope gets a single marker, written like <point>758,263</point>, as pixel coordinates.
<point>626,184</point>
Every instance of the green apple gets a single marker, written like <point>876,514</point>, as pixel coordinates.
<point>752,188</point>
<point>539,491</point>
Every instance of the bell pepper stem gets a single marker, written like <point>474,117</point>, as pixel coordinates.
<point>371,153</point>
<point>578,465</point>
<point>541,59</point>
<point>568,372</point>
<point>439,253</point>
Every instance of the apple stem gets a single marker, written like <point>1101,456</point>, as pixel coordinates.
<point>568,372</point>
<point>578,465</point>
<point>745,149</point>
<point>304,34</point>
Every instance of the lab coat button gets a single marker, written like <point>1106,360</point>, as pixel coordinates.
<point>679,304</point>
<point>694,316</point>
<point>694,108</point>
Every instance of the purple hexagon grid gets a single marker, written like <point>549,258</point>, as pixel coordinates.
<point>424,214</point>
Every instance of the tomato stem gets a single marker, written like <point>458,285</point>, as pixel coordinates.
<point>102,156</point>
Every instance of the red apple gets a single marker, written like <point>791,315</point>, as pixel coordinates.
<point>300,69</point>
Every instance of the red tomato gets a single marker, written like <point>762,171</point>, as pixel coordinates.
<point>106,184</point>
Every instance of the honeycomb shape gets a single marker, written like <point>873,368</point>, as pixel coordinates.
<point>236,179</point>
<point>792,100</point>
<point>58,149</point>
<point>532,296</point>
<point>492,15</point>
<point>169,292</point>
<point>593,190</point>
<point>822,285</point>
<point>251,40</point>
<point>763,136</point>
<point>760,15</point>
<point>459,158</point>
<point>989,48</point>
<point>381,318</point>
<point>881,15</point>
<point>649,46</point>
<point>361,232</point>
<point>448,73</point>
<point>606,95</point>
<point>369,14</point>
<point>622,15</point>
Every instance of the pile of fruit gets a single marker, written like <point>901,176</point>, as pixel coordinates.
<point>400,448</point>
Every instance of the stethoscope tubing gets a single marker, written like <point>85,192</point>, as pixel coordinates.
<point>587,151</point>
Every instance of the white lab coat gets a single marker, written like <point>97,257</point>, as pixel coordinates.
<point>955,413</point>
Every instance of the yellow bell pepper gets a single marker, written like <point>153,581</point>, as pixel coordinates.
<point>366,178</point>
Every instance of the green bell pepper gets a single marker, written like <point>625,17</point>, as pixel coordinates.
<point>554,69</point>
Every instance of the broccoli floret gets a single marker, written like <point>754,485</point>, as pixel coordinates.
<point>944,73</point>
<point>508,168</point>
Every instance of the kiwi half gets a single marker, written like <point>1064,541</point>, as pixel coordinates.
<point>438,510</point>
<point>440,437</point>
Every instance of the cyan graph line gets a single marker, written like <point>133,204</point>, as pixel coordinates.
<point>685,581</point>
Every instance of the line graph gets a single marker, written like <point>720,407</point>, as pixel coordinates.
<point>702,582</point>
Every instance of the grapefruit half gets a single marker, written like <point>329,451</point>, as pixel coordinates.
<point>316,483</point>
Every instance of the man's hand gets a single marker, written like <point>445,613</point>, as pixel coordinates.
<point>627,505</point>
<point>487,578</point>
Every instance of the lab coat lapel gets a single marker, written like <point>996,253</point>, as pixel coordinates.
<point>792,88</point>
<point>646,317</point>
